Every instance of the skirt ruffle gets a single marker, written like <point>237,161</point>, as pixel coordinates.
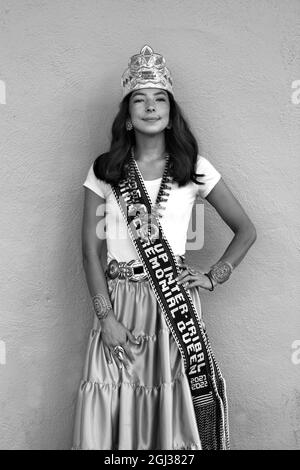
<point>149,406</point>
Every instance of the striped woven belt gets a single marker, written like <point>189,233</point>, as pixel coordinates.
<point>133,270</point>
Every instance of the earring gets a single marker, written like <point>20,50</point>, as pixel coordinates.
<point>129,125</point>
<point>169,126</point>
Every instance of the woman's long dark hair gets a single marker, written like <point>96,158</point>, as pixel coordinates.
<point>181,145</point>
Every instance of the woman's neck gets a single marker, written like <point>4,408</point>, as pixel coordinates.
<point>150,150</point>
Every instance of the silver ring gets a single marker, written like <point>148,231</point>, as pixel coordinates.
<point>118,351</point>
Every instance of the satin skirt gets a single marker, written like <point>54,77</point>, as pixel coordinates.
<point>148,407</point>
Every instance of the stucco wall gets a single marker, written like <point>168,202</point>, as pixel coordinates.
<point>234,64</point>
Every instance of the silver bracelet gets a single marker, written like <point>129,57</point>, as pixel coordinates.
<point>221,271</point>
<point>102,305</point>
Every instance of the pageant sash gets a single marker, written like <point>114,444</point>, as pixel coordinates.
<point>206,383</point>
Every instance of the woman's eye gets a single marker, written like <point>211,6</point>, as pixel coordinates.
<point>158,99</point>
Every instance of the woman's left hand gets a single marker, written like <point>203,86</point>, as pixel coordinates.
<point>193,277</point>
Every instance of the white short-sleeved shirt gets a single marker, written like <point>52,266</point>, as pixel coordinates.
<point>175,217</point>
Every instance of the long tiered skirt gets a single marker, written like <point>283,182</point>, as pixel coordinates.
<point>148,407</point>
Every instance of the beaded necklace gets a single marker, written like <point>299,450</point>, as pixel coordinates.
<point>164,189</point>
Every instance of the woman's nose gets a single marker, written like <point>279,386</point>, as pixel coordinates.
<point>150,106</point>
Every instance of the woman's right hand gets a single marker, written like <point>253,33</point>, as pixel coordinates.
<point>113,334</point>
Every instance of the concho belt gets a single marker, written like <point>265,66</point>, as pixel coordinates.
<point>132,270</point>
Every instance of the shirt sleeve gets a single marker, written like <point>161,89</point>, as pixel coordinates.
<point>98,186</point>
<point>212,176</point>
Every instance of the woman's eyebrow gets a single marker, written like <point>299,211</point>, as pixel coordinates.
<point>157,93</point>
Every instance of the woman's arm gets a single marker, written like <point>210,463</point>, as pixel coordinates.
<point>92,238</point>
<point>113,333</point>
<point>230,210</point>
<point>233,214</point>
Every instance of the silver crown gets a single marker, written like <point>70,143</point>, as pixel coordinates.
<point>146,70</point>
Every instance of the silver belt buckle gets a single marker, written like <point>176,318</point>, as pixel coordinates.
<point>136,277</point>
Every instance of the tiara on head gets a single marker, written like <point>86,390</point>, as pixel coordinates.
<point>146,70</point>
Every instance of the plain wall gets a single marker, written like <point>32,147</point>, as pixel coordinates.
<point>234,64</point>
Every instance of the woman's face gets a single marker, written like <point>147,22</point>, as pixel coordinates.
<point>149,110</point>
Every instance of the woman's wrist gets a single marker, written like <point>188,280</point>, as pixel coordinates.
<point>105,319</point>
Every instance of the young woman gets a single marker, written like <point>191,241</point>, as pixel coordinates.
<point>150,379</point>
